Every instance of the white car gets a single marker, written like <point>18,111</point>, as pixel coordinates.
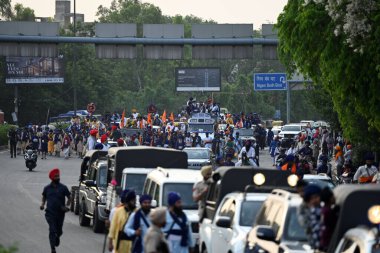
<point>233,219</point>
<point>198,157</point>
<point>290,131</point>
<point>322,180</point>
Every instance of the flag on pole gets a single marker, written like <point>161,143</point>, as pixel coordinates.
<point>122,119</point>
<point>171,117</point>
<point>164,117</point>
<point>149,119</point>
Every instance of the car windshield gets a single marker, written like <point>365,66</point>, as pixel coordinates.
<point>102,183</point>
<point>293,230</point>
<point>135,182</point>
<point>321,183</point>
<point>197,153</point>
<point>249,210</point>
<point>291,128</point>
<point>200,128</point>
<point>186,192</point>
<point>245,132</point>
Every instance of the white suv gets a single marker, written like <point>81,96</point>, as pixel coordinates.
<point>233,220</point>
<point>160,182</point>
<point>290,131</point>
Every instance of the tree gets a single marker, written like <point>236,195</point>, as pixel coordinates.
<point>336,44</point>
<point>22,13</point>
<point>5,9</point>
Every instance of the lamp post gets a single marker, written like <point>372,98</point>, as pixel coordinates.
<point>75,62</point>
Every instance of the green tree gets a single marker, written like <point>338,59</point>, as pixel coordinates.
<point>22,13</point>
<point>5,9</point>
<point>336,44</point>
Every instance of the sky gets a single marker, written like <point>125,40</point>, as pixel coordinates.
<point>254,12</point>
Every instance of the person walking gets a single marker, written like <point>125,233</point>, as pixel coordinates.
<point>178,230</point>
<point>54,196</point>
<point>66,145</point>
<point>139,223</point>
<point>12,136</point>
<point>118,241</point>
<point>154,240</point>
<point>44,145</point>
<point>200,190</point>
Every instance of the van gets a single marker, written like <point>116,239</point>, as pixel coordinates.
<point>160,182</point>
<point>120,158</point>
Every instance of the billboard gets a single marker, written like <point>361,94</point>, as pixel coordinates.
<point>197,79</point>
<point>34,70</point>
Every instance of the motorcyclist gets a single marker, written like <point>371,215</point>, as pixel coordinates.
<point>290,165</point>
<point>365,173</point>
<point>280,160</point>
<point>251,154</point>
<point>306,154</point>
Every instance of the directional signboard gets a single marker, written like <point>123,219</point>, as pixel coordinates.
<point>269,81</point>
<point>198,79</point>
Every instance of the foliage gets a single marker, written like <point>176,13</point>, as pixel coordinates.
<point>315,40</point>
<point>5,9</point>
<point>11,249</point>
<point>114,85</point>
<point>22,13</point>
<point>4,137</point>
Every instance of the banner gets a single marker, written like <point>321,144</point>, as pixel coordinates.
<point>34,70</point>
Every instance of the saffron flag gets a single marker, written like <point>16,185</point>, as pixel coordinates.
<point>149,119</point>
<point>171,117</point>
<point>122,119</point>
<point>164,117</point>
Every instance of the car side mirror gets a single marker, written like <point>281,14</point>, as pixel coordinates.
<point>90,183</point>
<point>223,222</point>
<point>265,233</point>
<point>154,203</point>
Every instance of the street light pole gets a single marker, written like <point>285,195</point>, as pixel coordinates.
<point>75,62</point>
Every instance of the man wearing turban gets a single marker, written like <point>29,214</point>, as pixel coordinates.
<point>118,240</point>
<point>154,240</point>
<point>200,190</point>
<point>54,196</point>
<point>178,230</point>
<point>139,223</point>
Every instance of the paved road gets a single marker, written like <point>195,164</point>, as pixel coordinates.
<point>23,223</point>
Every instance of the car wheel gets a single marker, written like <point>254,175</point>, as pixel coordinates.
<point>83,220</point>
<point>97,224</point>
<point>76,202</point>
<point>72,198</point>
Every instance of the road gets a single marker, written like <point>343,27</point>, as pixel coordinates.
<point>21,221</point>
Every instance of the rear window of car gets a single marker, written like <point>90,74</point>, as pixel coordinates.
<point>248,212</point>
<point>293,230</point>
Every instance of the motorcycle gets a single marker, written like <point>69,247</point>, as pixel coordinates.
<point>30,159</point>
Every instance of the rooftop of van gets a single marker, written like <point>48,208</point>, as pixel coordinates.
<point>177,175</point>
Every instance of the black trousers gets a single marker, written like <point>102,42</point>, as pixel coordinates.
<point>55,222</point>
<point>13,148</point>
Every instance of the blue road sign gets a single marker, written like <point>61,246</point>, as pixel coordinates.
<point>269,81</point>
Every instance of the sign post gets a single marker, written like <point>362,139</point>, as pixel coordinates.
<point>271,82</point>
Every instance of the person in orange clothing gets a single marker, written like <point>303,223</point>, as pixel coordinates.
<point>290,165</point>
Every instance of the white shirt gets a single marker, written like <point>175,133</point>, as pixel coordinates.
<point>208,142</point>
<point>291,151</point>
<point>364,170</point>
<point>91,143</point>
<point>250,154</point>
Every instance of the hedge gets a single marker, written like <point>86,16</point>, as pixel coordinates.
<point>3,134</point>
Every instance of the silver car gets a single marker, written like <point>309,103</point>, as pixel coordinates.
<point>198,157</point>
